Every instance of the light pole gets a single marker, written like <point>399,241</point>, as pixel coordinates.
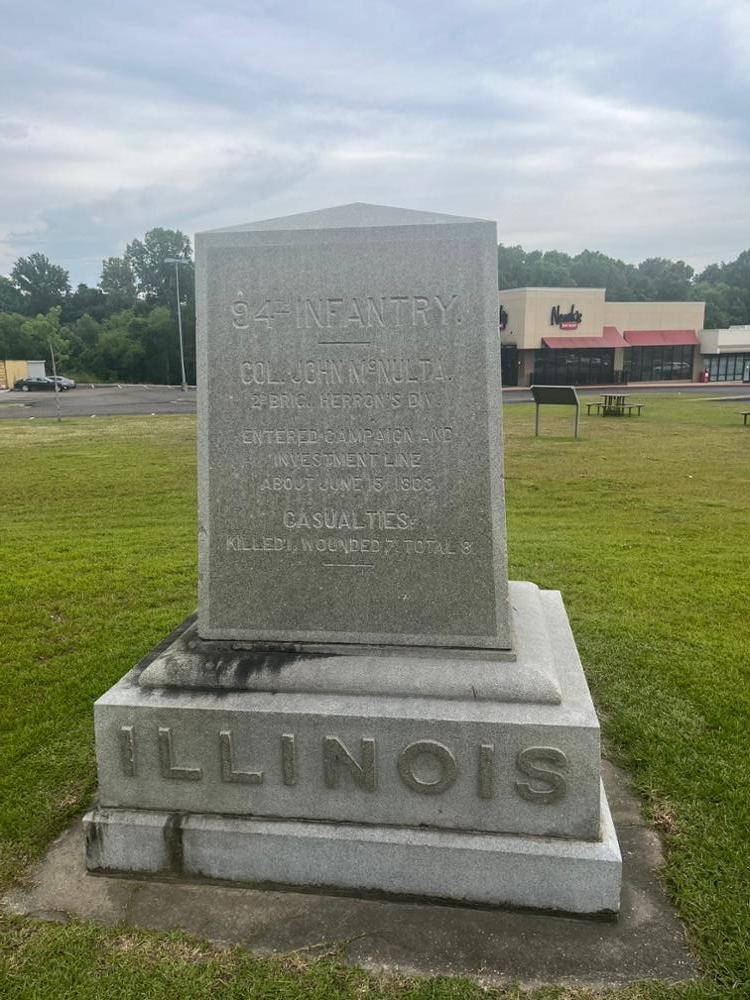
<point>177,261</point>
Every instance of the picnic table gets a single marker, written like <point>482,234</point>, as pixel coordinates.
<point>614,404</point>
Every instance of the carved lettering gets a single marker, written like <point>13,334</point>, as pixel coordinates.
<point>486,783</point>
<point>335,753</point>
<point>440,755</point>
<point>553,783</point>
<point>229,772</point>
<point>288,759</point>
<point>127,751</point>
<point>167,764</point>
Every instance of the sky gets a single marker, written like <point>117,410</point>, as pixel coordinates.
<point>613,126</point>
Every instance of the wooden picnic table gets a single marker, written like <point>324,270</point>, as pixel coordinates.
<point>614,403</point>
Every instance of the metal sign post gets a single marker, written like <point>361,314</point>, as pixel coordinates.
<point>555,395</point>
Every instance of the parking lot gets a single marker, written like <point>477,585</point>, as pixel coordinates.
<point>100,401</point>
<point>133,400</point>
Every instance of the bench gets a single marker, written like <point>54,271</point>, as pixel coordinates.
<point>590,405</point>
<point>634,406</point>
<point>745,415</point>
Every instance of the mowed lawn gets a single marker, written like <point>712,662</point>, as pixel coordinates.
<point>643,523</point>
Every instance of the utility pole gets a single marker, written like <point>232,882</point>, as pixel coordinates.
<point>57,387</point>
<point>177,261</point>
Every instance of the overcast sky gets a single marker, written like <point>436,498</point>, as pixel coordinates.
<point>619,126</point>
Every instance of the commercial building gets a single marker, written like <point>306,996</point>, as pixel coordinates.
<point>572,336</point>
<point>726,353</point>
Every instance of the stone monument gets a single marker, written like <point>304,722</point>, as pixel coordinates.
<point>363,702</point>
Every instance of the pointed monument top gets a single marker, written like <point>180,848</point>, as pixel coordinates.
<point>358,215</point>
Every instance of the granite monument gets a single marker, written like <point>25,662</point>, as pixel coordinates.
<point>363,701</point>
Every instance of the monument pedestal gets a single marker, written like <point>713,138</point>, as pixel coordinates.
<point>474,780</point>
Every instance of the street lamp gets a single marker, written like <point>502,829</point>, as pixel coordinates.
<point>177,261</point>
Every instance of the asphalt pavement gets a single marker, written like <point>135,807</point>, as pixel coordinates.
<point>100,401</point>
<point>154,400</point>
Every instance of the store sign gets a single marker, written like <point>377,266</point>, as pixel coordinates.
<point>503,318</point>
<point>566,321</point>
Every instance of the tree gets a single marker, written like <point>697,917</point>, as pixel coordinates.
<point>511,267</point>
<point>11,300</point>
<point>85,300</point>
<point>43,331</point>
<point>12,340</point>
<point>41,283</point>
<point>117,283</point>
<point>660,280</point>
<point>155,280</point>
<point>593,269</point>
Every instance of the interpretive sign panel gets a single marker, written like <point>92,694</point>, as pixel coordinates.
<point>350,452</point>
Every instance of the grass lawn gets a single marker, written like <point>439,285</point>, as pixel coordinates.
<point>644,525</point>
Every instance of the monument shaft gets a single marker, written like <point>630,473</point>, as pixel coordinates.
<point>350,440</point>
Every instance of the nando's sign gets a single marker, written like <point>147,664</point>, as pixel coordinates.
<point>566,321</point>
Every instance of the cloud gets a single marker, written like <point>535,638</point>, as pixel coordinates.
<point>571,124</point>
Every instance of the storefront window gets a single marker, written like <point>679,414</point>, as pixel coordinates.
<point>727,367</point>
<point>659,364</point>
<point>553,366</point>
<point>509,364</point>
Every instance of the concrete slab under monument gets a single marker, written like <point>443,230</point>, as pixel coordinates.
<point>364,702</point>
<point>396,936</point>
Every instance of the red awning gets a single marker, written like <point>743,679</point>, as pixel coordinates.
<point>659,338</point>
<point>610,338</point>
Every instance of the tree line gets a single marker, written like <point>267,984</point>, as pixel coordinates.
<point>125,329</point>
<point>725,288</point>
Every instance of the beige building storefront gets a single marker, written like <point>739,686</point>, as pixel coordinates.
<point>726,354</point>
<point>572,336</point>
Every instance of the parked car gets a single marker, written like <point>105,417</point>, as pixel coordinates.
<point>37,384</point>
<point>63,381</point>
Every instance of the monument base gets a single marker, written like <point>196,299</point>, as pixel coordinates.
<point>541,873</point>
<point>362,774</point>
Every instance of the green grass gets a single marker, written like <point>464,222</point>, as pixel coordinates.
<point>644,525</point>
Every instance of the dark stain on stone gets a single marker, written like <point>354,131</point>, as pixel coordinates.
<point>93,834</point>
<point>172,833</point>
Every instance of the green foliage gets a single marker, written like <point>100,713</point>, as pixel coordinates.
<point>725,288</point>
<point>85,300</point>
<point>41,283</point>
<point>154,279</point>
<point>43,331</point>
<point>118,283</point>
<point>661,280</point>
<point>11,300</point>
<point>12,340</point>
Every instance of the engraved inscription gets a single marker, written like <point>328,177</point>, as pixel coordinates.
<point>439,756</point>
<point>127,751</point>
<point>288,759</point>
<point>357,461</point>
<point>335,754</point>
<point>553,783</point>
<point>229,772</point>
<point>351,446</point>
<point>167,764</point>
<point>486,783</point>
<point>425,767</point>
<point>347,314</point>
